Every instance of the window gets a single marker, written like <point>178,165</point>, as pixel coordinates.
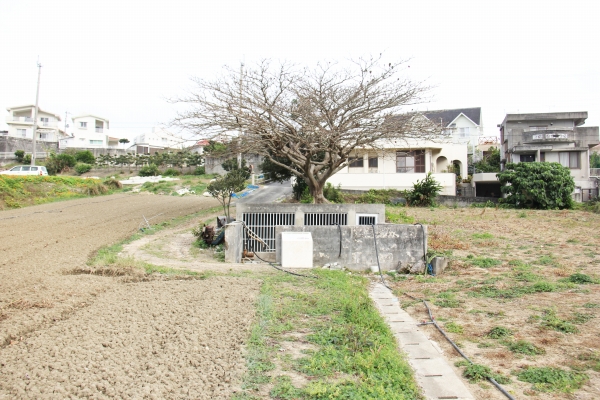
<point>542,157</point>
<point>356,162</point>
<point>44,121</point>
<point>83,125</point>
<point>43,136</point>
<point>96,142</point>
<point>22,132</point>
<point>463,132</point>
<point>373,163</point>
<point>164,140</point>
<point>527,158</point>
<point>410,161</point>
<point>569,159</point>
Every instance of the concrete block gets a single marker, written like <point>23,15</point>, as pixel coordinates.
<point>296,250</point>
<point>234,243</point>
<point>438,265</point>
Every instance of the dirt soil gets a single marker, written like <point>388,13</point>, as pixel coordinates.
<point>65,335</point>
<point>528,246</point>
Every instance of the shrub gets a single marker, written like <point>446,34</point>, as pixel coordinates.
<point>149,170</point>
<point>85,157</point>
<point>82,168</point>
<point>27,159</point>
<point>112,183</point>
<point>489,163</point>
<point>20,154</point>
<point>540,185</point>
<point>171,172</point>
<point>200,171</point>
<point>424,192</point>
<point>333,194</point>
<point>56,164</point>
<point>580,278</point>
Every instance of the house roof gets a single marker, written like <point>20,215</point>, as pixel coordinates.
<point>25,107</point>
<point>447,116</point>
<point>89,115</point>
<point>202,143</point>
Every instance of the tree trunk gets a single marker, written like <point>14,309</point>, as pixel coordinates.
<point>316,192</point>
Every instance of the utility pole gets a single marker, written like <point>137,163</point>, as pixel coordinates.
<point>66,112</point>
<point>35,117</point>
<point>239,157</point>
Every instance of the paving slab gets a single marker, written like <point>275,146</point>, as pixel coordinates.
<point>432,372</point>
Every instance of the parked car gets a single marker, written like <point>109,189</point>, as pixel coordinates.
<point>25,170</point>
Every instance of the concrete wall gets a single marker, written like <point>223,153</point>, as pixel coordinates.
<point>234,243</point>
<point>395,243</point>
<point>299,209</point>
<point>8,146</point>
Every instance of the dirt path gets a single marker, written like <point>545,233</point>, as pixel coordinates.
<point>82,335</point>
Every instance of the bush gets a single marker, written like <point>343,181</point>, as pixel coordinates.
<point>540,185</point>
<point>20,154</point>
<point>112,183</point>
<point>333,194</point>
<point>489,163</point>
<point>548,379</point>
<point>171,172</point>
<point>200,171</point>
<point>149,170</point>
<point>56,164</point>
<point>27,159</point>
<point>82,168</point>
<point>424,192</point>
<point>85,157</point>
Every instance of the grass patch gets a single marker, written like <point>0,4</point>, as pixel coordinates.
<point>525,347</point>
<point>549,379</point>
<point>453,328</point>
<point>581,279</point>
<point>397,215</point>
<point>499,332</point>
<point>484,262</point>
<point>482,236</point>
<point>350,338</point>
<point>477,372</point>
<point>551,321</point>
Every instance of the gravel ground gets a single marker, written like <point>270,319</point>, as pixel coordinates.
<point>64,335</point>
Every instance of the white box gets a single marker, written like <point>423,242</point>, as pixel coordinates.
<point>296,250</point>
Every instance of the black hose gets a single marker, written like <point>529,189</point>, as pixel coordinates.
<point>283,270</point>
<point>340,230</point>
<point>433,321</point>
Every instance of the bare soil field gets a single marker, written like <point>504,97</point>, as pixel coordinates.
<point>82,335</point>
<point>516,294</point>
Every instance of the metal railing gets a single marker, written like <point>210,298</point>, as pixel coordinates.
<point>12,118</point>
<point>99,130</point>
<point>595,172</point>
<point>589,194</point>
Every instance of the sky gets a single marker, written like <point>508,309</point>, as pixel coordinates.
<point>122,60</point>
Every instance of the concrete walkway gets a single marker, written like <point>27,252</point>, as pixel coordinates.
<point>432,372</point>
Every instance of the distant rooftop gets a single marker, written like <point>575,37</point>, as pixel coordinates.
<point>447,116</point>
<point>578,117</point>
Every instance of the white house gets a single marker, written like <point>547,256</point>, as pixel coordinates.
<point>90,131</point>
<point>20,124</point>
<point>157,140</point>
<point>398,165</point>
<point>462,125</point>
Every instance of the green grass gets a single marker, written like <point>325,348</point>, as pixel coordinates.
<point>477,372</point>
<point>483,236</point>
<point>397,215</point>
<point>551,321</point>
<point>499,332</point>
<point>549,379</point>
<point>355,354</point>
<point>525,347</point>
<point>483,262</point>
<point>453,327</point>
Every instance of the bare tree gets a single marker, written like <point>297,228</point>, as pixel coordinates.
<point>314,118</point>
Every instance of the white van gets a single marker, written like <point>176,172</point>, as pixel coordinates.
<point>26,170</point>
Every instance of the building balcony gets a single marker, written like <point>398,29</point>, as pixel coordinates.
<point>99,130</point>
<point>550,135</point>
<point>19,120</point>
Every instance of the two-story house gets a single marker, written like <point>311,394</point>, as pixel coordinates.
<point>157,140</point>
<point>462,125</point>
<point>399,165</point>
<point>90,131</point>
<point>551,137</point>
<point>20,124</point>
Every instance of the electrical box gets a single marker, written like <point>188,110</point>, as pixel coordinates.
<point>296,250</point>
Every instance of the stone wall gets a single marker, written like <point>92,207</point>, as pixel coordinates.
<point>8,146</point>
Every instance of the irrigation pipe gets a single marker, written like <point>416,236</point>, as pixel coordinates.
<point>433,321</point>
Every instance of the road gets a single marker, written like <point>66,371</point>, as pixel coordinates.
<point>269,193</point>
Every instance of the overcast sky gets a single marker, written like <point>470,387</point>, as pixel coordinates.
<point>121,59</point>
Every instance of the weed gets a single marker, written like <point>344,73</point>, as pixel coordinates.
<point>525,347</point>
<point>543,286</point>
<point>551,321</point>
<point>580,318</point>
<point>484,262</point>
<point>397,215</point>
<point>484,235</point>
<point>284,389</point>
<point>549,379</point>
<point>499,332</point>
<point>454,328</point>
<point>572,241</point>
<point>477,372</point>
<point>485,345</point>
<point>581,279</point>
<point>592,360</point>
<point>522,214</point>
<point>546,260</point>
<point>591,305</point>
<point>447,300</point>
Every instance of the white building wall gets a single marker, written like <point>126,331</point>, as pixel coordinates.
<point>23,120</point>
<point>87,136</point>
